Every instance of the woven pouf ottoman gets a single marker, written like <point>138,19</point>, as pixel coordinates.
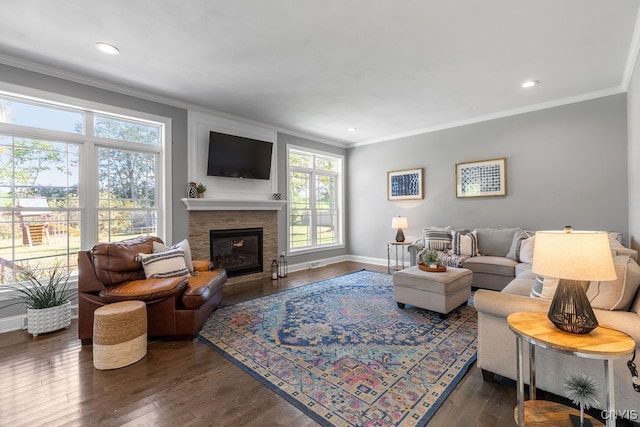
<point>440,292</point>
<point>119,334</point>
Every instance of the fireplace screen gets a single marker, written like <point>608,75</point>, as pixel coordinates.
<point>239,251</point>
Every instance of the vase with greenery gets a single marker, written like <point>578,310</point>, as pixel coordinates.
<point>47,297</point>
<point>201,188</point>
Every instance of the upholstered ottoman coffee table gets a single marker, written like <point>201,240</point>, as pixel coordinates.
<point>439,292</point>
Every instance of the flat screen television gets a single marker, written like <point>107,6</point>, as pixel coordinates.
<point>238,157</point>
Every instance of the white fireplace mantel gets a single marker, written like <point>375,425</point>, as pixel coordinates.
<point>233,205</point>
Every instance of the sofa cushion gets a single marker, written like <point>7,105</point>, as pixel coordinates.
<point>495,241</point>
<point>438,239</point>
<point>164,264</point>
<point>464,243</point>
<point>521,285</point>
<point>499,266</point>
<point>115,262</point>
<point>183,246</point>
<point>144,290</point>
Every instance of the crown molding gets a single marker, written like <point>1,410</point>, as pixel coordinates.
<point>632,56</point>
<point>498,115</point>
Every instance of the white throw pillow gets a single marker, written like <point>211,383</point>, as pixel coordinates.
<point>183,246</point>
<point>526,250</point>
<point>164,264</point>
<point>616,294</point>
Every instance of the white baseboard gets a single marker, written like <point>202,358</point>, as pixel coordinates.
<point>320,262</point>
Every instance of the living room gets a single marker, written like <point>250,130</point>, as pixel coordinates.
<point>573,159</point>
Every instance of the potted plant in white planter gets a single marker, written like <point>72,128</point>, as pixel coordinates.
<point>48,299</point>
<point>201,188</point>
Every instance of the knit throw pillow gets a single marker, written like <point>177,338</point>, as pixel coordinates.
<point>438,239</point>
<point>164,264</point>
<point>464,243</point>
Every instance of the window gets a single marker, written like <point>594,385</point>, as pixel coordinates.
<point>70,177</point>
<point>315,199</point>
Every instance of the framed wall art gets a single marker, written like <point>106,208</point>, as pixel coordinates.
<point>484,178</point>
<point>404,184</point>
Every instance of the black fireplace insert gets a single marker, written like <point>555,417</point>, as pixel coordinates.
<point>239,251</point>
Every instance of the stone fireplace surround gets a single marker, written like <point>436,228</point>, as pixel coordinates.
<point>206,215</point>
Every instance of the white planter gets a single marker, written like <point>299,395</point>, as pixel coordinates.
<point>51,319</point>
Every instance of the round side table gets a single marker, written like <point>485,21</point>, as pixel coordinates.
<point>602,343</point>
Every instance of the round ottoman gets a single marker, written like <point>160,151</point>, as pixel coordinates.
<point>119,334</point>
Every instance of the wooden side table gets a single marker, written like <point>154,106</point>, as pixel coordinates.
<point>401,245</point>
<point>602,343</point>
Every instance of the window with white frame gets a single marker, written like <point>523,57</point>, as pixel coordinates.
<point>72,176</point>
<point>315,199</point>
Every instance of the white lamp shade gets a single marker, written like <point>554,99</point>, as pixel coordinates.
<point>576,255</point>
<point>399,222</point>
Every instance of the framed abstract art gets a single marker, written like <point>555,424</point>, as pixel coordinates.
<point>483,178</point>
<point>404,184</point>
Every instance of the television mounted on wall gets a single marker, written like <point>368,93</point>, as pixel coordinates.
<point>238,157</point>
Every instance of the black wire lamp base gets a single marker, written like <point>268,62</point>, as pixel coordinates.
<point>570,309</point>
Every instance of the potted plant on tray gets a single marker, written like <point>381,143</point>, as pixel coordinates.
<point>430,262</point>
<point>48,299</point>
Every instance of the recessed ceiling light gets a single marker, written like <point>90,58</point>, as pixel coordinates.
<point>530,83</point>
<point>107,48</point>
<point>352,129</point>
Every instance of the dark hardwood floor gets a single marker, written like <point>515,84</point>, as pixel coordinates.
<point>50,380</point>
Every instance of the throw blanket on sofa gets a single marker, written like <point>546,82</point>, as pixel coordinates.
<point>448,258</point>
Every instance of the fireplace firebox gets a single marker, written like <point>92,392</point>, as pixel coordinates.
<point>239,251</point>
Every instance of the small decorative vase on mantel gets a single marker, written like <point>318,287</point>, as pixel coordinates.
<point>192,191</point>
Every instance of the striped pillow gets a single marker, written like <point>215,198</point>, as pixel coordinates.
<point>516,245</point>
<point>438,239</point>
<point>464,243</point>
<point>164,264</point>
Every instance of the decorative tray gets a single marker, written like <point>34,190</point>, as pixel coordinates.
<point>438,269</point>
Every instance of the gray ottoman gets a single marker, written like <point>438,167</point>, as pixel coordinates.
<point>439,292</point>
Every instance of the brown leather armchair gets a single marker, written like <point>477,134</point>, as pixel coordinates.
<point>176,306</point>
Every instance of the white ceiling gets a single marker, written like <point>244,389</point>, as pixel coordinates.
<point>387,67</point>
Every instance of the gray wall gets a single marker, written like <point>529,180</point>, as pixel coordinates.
<point>565,165</point>
<point>178,118</point>
<point>633,126</point>
<point>283,141</point>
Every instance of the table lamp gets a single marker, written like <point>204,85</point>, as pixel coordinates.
<point>576,258</point>
<point>399,222</point>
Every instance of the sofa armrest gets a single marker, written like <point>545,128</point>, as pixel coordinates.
<point>501,304</point>
<point>413,249</point>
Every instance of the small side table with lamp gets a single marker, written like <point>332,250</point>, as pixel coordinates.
<point>399,223</point>
<point>576,258</point>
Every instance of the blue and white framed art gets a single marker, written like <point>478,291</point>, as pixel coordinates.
<point>483,178</point>
<point>404,184</point>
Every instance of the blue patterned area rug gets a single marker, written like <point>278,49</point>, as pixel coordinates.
<point>345,354</point>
